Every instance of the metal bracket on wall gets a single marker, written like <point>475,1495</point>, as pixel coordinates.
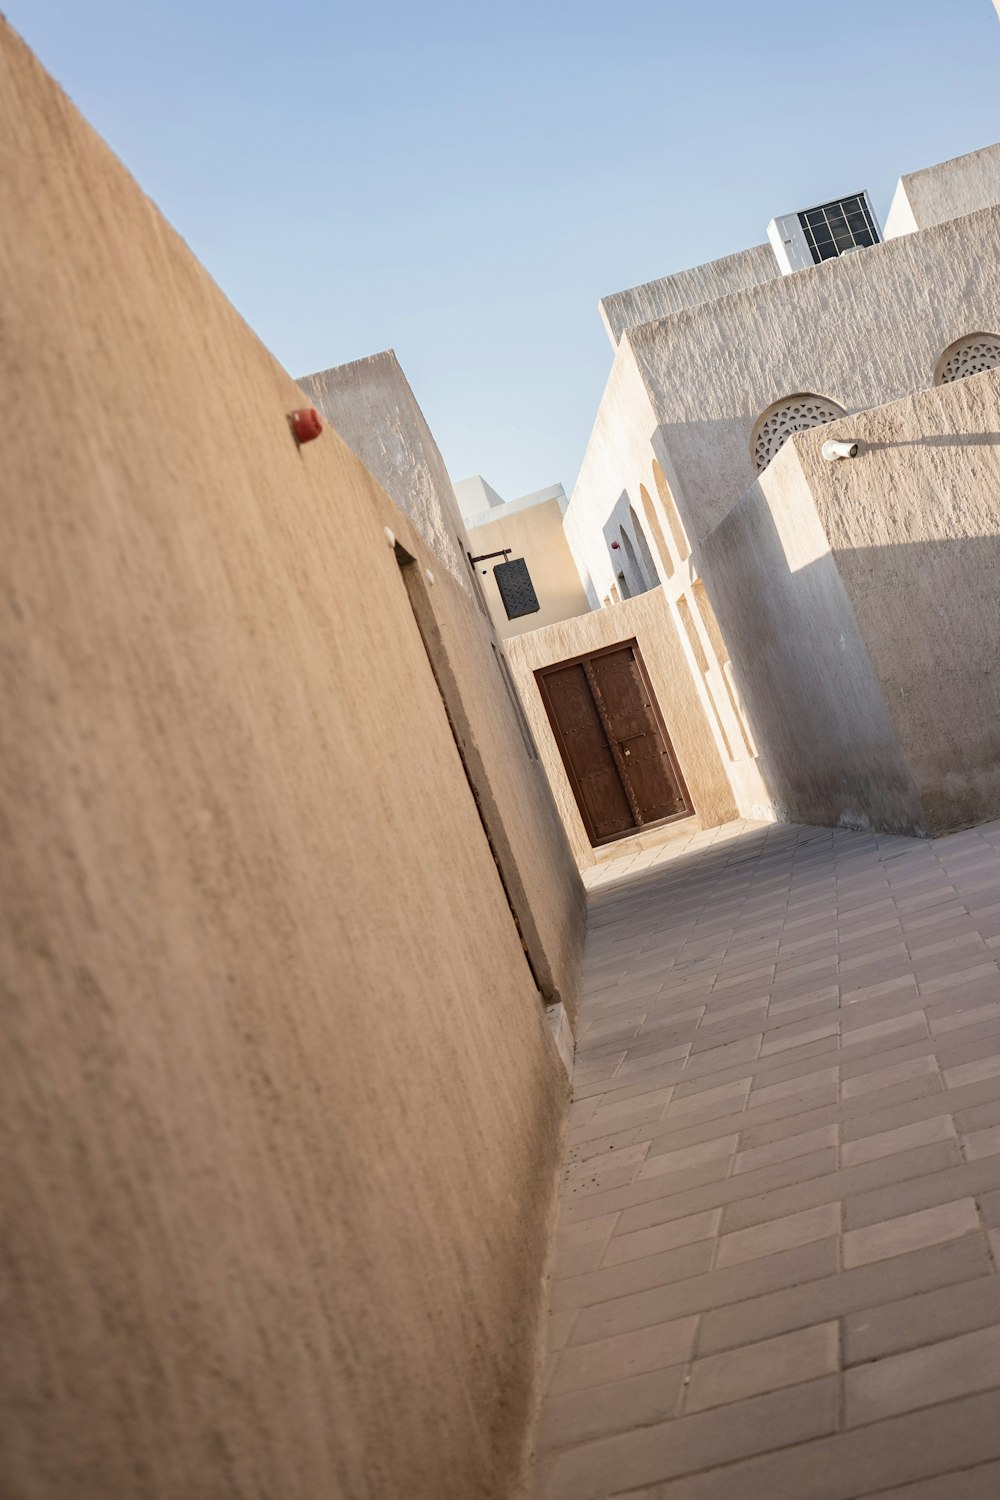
<point>485,556</point>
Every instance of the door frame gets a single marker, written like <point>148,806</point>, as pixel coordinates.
<point>571,661</point>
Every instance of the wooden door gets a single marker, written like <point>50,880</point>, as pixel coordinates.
<point>613,742</point>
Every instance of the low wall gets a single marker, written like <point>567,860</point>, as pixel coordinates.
<point>281,1115</point>
<point>860,605</point>
<point>648,620</point>
<point>914,527</point>
<point>827,748</point>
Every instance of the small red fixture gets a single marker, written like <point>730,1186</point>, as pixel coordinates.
<point>306,424</point>
<point>614,546</point>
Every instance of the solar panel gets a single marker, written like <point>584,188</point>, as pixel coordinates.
<point>832,228</point>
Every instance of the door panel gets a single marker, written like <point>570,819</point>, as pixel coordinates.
<point>634,725</point>
<point>587,753</point>
<point>612,741</point>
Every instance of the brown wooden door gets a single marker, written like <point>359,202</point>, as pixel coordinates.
<point>613,743</point>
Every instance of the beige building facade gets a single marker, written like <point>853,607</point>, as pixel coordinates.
<point>714,370</point>
<point>530,531</point>
<point>282,1111</point>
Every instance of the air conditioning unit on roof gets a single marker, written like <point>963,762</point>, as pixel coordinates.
<point>822,233</point>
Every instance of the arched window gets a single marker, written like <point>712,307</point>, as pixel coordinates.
<point>647,565</point>
<point>656,531</point>
<point>633,571</point>
<point>775,426</point>
<point>968,356</point>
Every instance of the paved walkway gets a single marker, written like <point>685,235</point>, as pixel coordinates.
<point>778,1250</point>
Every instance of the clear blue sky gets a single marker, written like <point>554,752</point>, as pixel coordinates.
<point>461,181</point>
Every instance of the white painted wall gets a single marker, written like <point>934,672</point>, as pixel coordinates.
<point>670,294</point>
<point>946,191</point>
<point>862,330</point>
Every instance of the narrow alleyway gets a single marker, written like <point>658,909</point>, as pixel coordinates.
<point>777,1261</point>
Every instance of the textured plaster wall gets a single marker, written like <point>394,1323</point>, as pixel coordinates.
<point>536,534</point>
<point>914,527</point>
<point>617,461</point>
<point>828,751</point>
<point>859,601</point>
<point>945,191</point>
<point>374,410</point>
<point>647,619</point>
<point>670,294</point>
<point>281,1114</point>
<point>618,466</point>
<point>863,330</point>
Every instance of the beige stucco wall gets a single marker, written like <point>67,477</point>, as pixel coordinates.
<point>650,622</point>
<point>859,601</point>
<point>863,330</point>
<point>376,413</point>
<point>945,191</point>
<point>281,1113</point>
<point>536,534</point>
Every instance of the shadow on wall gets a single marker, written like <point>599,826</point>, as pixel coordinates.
<point>704,437</point>
<point>628,549</point>
<point>869,674</point>
<point>941,440</point>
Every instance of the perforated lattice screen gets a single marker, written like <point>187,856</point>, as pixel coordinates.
<point>980,351</point>
<point>794,415</point>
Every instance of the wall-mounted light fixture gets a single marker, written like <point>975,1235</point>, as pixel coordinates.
<point>832,450</point>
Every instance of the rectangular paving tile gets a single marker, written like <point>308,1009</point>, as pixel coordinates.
<point>927,1319</point>
<point>948,1221</point>
<point>904,1138</point>
<point>636,1275</point>
<point>594,1470</point>
<point>641,1242</point>
<point>923,1377</point>
<point>779,1234</point>
<point>579,1416</point>
<point>789,1359</point>
<point>654,1346</point>
<point>786,1148</point>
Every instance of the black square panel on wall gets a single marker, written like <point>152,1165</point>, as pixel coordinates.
<point>516,588</point>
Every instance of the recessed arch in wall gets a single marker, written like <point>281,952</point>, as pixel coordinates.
<point>670,510</point>
<point>633,573</point>
<point>656,531</point>
<point>647,562</point>
<point>775,426</point>
<point>968,356</point>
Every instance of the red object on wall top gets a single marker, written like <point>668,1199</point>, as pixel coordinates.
<point>306,423</point>
<point>614,546</point>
